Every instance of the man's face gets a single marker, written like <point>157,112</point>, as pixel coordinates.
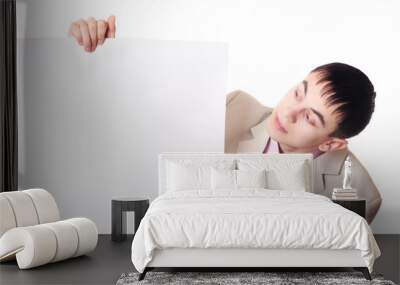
<point>302,120</point>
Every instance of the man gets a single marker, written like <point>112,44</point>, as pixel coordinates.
<point>334,102</point>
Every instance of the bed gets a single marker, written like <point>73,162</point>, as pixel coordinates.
<point>244,211</point>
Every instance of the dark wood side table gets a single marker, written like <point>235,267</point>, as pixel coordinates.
<point>357,206</point>
<point>119,207</point>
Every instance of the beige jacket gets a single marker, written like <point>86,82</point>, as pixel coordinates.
<point>245,131</point>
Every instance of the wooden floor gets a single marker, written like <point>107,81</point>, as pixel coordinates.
<point>111,259</point>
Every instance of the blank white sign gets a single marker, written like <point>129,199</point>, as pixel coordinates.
<point>93,124</point>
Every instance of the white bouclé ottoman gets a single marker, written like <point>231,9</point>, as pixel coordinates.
<point>31,231</point>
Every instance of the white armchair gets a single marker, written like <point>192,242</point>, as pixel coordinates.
<point>32,233</point>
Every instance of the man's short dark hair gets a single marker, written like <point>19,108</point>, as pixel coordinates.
<point>353,93</point>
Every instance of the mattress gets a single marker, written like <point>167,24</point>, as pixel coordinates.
<point>250,218</point>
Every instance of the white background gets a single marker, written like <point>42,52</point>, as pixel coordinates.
<point>271,46</point>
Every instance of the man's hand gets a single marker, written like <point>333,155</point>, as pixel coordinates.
<point>92,32</point>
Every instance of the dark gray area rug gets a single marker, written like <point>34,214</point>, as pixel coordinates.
<point>229,278</point>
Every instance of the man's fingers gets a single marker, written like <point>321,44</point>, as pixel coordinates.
<point>90,33</point>
<point>87,43</point>
<point>111,27</point>
<point>101,31</point>
<point>75,32</point>
<point>92,25</point>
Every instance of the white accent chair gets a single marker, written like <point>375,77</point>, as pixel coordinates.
<point>32,233</point>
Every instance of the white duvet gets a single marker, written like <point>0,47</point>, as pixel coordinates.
<point>250,218</point>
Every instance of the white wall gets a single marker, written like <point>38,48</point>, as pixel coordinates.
<point>272,45</point>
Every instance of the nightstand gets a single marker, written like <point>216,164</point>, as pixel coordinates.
<point>357,205</point>
<point>119,207</point>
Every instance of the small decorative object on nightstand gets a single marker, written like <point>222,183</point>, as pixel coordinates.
<point>347,196</point>
<point>119,207</point>
<point>357,205</point>
<point>347,192</point>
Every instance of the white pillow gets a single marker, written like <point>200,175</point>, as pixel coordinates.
<point>193,173</point>
<point>292,178</point>
<point>288,174</point>
<point>237,179</point>
<point>251,178</point>
<point>187,177</point>
<point>223,179</point>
